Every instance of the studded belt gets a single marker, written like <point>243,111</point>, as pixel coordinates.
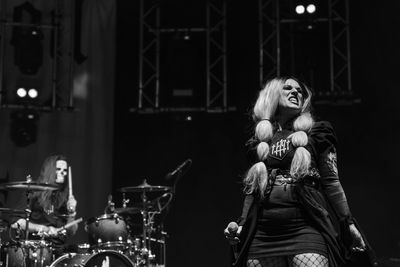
<point>280,180</point>
<point>279,177</point>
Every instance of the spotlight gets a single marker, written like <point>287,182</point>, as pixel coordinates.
<point>21,92</point>
<point>33,93</point>
<point>186,36</point>
<point>300,9</point>
<point>311,8</point>
<point>25,96</point>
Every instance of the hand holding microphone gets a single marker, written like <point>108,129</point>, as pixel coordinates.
<point>232,231</point>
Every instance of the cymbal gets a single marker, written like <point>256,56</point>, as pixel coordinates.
<point>127,210</point>
<point>11,211</point>
<point>137,208</point>
<point>145,187</point>
<point>31,186</point>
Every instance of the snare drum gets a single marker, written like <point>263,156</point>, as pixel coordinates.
<point>107,258</point>
<point>106,230</point>
<point>36,252</point>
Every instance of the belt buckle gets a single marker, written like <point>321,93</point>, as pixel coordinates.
<point>282,180</point>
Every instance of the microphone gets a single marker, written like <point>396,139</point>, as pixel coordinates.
<point>233,227</point>
<point>179,169</point>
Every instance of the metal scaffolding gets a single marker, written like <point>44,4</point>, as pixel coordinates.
<point>150,30</point>
<point>271,19</point>
<point>339,49</point>
<point>269,40</point>
<point>61,60</point>
<point>149,55</point>
<point>216,57</point>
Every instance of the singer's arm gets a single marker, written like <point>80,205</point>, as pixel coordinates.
<point>248,201</point>
<point>232,233</point>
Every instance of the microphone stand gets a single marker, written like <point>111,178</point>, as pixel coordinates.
<point>164,234</point>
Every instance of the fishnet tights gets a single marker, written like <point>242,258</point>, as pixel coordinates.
<point>300,260</point>
<point>267,262</point>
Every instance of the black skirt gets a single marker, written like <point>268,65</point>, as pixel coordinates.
<point>282,228</point>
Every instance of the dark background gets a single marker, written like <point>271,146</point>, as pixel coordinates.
<point>209,195</point>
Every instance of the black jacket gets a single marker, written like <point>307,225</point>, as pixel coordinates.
<point>325,206</point>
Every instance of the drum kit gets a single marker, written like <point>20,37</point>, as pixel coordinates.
<point>126,236</point>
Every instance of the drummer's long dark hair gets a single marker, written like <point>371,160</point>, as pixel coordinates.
<point>48,175</point>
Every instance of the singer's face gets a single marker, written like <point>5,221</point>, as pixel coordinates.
<point>61,171</point>
<point>291,97</point>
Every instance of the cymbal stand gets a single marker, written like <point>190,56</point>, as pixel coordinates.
<point>162,204</point>
<point>28,215</point>
<point>147,227</point>
<point>125,201</point>
<point>24,248</point>
<point>1,245</point>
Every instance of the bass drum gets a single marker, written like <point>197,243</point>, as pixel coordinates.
<point>107,258</point>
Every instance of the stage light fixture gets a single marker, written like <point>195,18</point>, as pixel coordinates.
<point>33,93</point>
<point>186,36</point>
<point>21,92</point>
<point>311,8</point>
<point>23,128</point>
<point>25,96</point>
<point>27,39</point>
<point>300,9</point>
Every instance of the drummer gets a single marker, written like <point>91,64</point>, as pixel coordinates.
<point>51,209</point>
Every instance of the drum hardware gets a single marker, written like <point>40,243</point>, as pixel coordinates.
<point>27,252</point>
<point>110,208</point>
<point>105,229</point>
<point>103,258</point>
<point>125,200</point>
<point>144,187</point>
<point>62,231</point>
<point>127,211</point>
<point>148,209</point>
<point>8,211</point>
<point>83,248</point>
<point>29,186</point>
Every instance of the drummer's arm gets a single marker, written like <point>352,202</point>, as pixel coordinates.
<point>73,228</point>
<point>33,227</point>
<point>71,208</point>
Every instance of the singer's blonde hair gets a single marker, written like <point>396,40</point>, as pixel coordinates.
<point>264,113</point>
